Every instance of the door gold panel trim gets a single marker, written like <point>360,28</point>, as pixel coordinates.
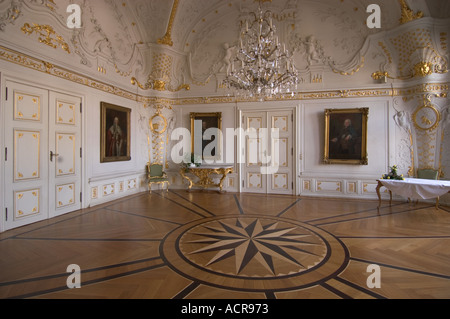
<point>21,112</point>
<point>61,137</point>
<point>65,113</point>
<point>31,170</point>
<point>62,200</point>
<point>27,203</point>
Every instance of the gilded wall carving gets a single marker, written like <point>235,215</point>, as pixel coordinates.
<point>46,35</point>
<point>422,125</point>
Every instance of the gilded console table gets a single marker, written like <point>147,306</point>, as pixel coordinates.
<point>202,176</point>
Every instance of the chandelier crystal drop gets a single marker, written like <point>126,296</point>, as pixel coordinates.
<point>262,67</point>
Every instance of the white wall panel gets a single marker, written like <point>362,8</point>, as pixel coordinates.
<point>27,155</point>
<point>27,107</point>
<point>27,204</point>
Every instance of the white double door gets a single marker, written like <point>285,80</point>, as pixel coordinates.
<point>267,166</point>
<point>42,154</point>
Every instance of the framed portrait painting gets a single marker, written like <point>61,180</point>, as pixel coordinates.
<point>346,136</point>
<point>206,131</point>
<point>115,133</point>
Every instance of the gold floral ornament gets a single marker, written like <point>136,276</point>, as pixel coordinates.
<point>47,35</point>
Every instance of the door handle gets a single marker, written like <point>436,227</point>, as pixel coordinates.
<point>53,155</point>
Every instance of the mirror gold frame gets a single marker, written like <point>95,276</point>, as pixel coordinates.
<point>209,121</point>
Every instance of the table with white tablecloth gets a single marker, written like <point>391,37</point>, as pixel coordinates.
<point>414,188</point>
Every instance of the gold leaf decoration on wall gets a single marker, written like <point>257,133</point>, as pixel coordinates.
<point>47,35</point>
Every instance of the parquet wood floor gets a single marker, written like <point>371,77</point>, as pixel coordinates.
<point>204,245</point>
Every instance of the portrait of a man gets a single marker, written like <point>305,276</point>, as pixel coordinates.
<point>344,142</point>
<point>346,136</point>
<point>115,133</point>
<point>115,140</point>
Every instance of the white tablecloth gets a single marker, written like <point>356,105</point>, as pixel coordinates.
<point>417,188</point>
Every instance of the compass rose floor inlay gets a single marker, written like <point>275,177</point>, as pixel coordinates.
<point>255,253</point>
<point>205,245</point>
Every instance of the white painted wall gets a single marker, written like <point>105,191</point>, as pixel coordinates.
<point>98,178</point>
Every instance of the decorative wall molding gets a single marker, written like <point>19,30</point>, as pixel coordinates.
<point>11,56</point>
<point>105,189</point>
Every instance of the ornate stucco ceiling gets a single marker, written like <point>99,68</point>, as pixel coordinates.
<point>146,21</point>
<point>125,39</point>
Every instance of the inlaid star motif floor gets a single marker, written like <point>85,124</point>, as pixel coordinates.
<point>272,245</point>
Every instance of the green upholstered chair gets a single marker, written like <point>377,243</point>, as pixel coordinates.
<point>429,174</point>
<point>156,175</point>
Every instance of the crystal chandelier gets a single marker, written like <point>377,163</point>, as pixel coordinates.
<point>261,67</point>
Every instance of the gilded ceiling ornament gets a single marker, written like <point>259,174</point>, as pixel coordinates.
<point>158,85</point>
<point>417,56</point>
<point>423,69</point>
<point>122,73</point>
<point>352,72</point>
<point>379,75</point>
<point>161,75</point>
<point>11,14</point>
<point>407,14</point>
<point>47,35</point>
<point>167,39</point>
<point>50,4</point>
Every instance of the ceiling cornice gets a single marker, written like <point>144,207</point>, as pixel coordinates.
<point>437,89</point>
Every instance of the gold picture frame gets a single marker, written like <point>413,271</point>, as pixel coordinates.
<point>346,136</point>
<point>115,135</point>
<point>208,121</point>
